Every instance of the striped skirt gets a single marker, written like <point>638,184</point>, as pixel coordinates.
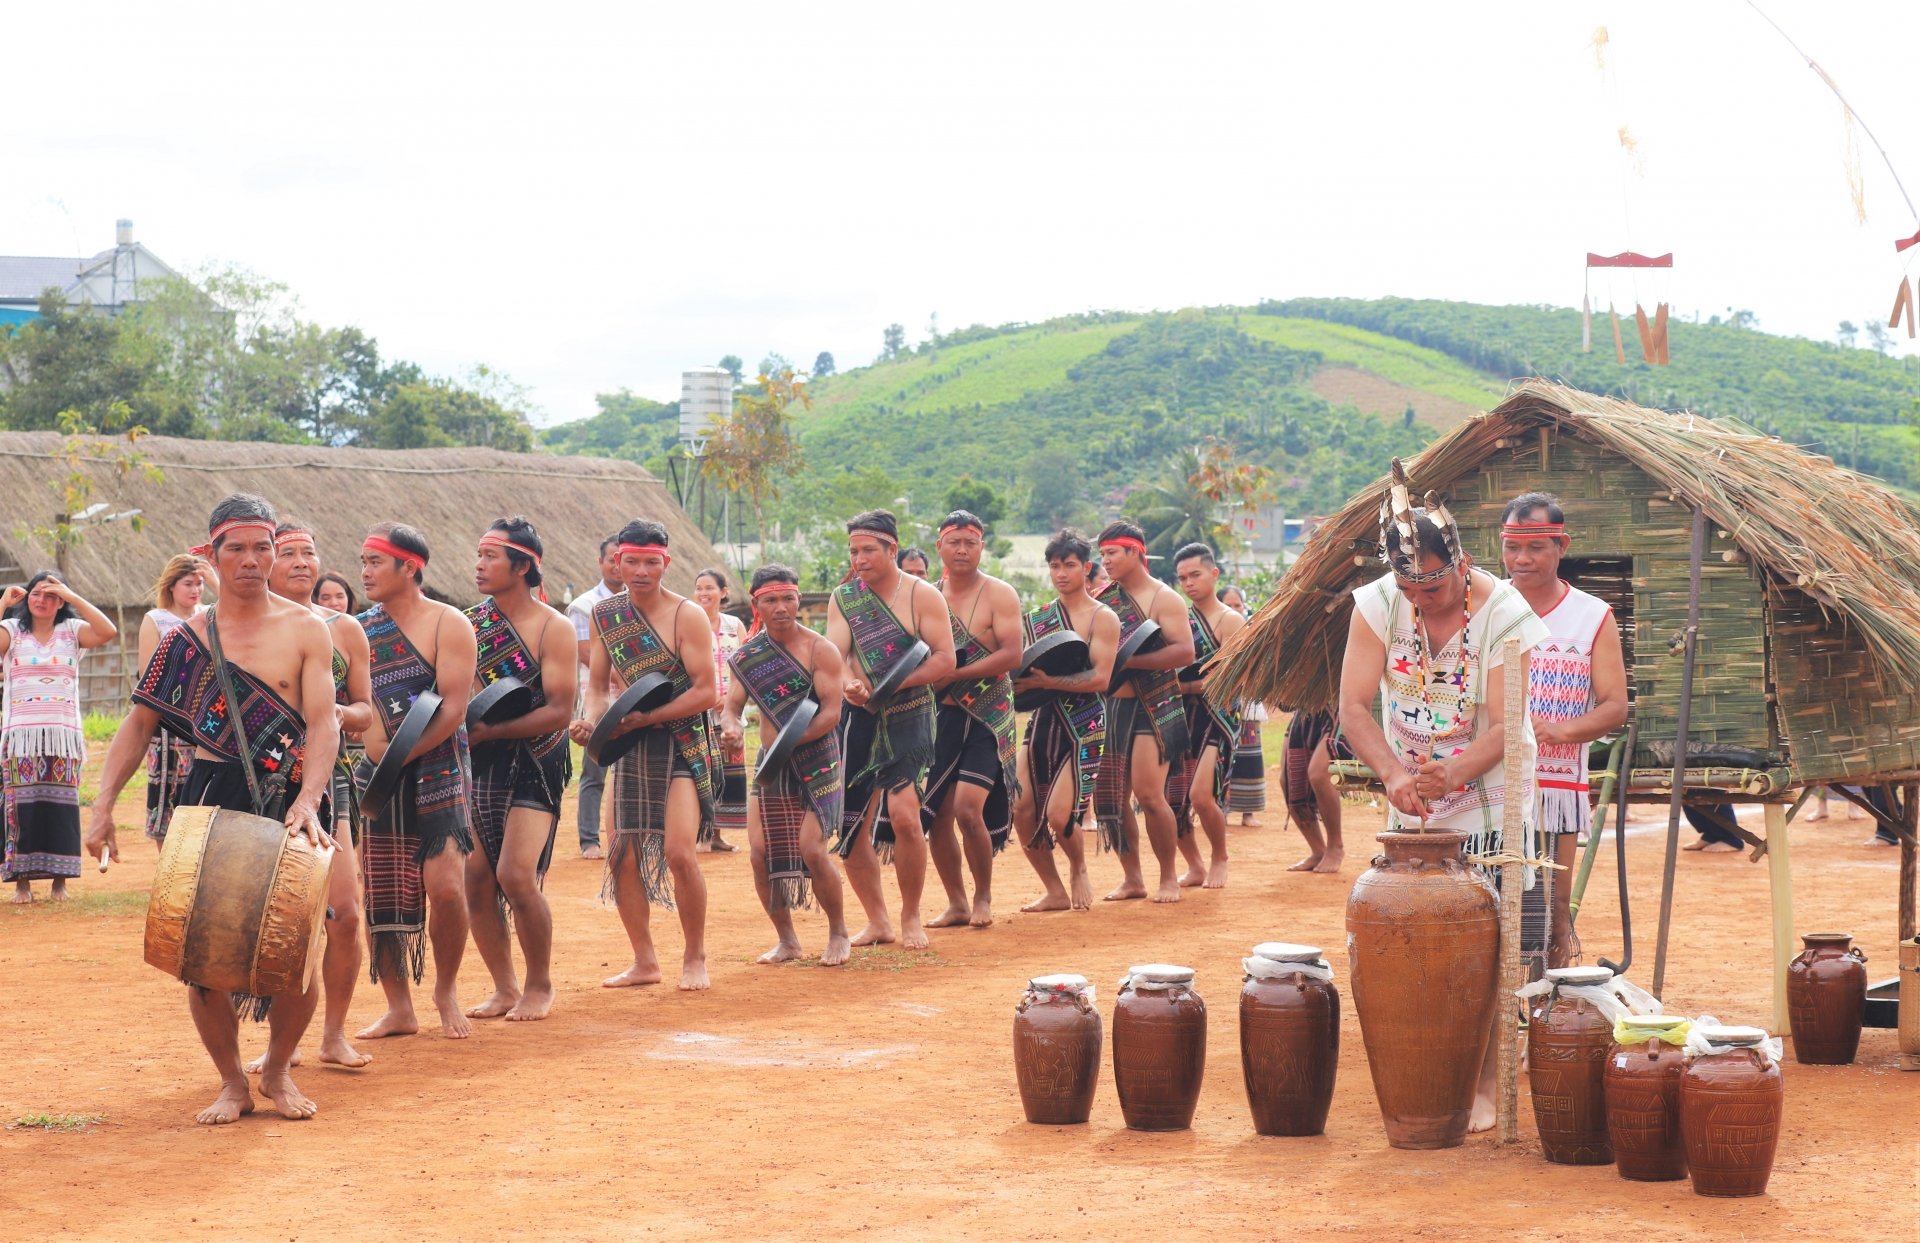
<point>43,818</point>
<point>1247,784</point>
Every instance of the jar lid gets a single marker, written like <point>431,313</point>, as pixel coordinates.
<point>1657,1022</point>
<point>1286,951</point>
<point>1161,973</point>
<point>1580,975</point>
<point>1743,1036</point>
<point>1064,983</point>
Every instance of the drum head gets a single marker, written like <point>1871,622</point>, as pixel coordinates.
<point>889,683</point>
<point>780,750</point>
<point>648,693</point>
<point>1033,700</point>
<point>1061,654</point>
<point>500,701</point>
<point>385,778</point>
<point>1144,639</point>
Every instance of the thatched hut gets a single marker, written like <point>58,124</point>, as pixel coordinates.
<point>1807,664</point>
<point>449,494</point>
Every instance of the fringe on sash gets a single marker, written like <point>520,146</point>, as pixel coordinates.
<point>397,949</point>
<point>1564,811</point>
<point>30,740</point>
<point>791,893</point>
<point>654,876</point>
<point>247,1006</point>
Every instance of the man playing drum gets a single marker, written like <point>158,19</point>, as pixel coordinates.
<point>663,789</point>
<point>791,809</point>
<point>417,845</point>
<point>276,655</point>
<point>874,618</point>
<point>520,768</point>
<point>972,783</point>
<point>1146,722</point>
<point>1197,780</point>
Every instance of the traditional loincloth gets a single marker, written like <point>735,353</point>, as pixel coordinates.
<point>776,683</point>
<point>903,738</point>
<point>784,808</point>
<point>1247,788</point>
<point>1069,732</point>
<point>168,757</point>
<point>1157,689</point>
<point>1208,725</point>
<point>974,741</point>
<point>862,734</point>
<point>508,777</point>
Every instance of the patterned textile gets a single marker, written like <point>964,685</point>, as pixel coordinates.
<point>502,653</point>
<point>168,758</point>
<point>904,735</point>
<point>43,817</point>
<point>1158,689</point>
<point>636,651</point>
<point>427,812</point>
<point>1247,787</point>
<point>784,804</point>
<point>1208,725</point>
<point>776,683</point>
<point>640,781</point>
<point>1068,733</point>
<point>180,684</point>
<point>1560,688</point>
<point>1305,732</point>
<point>730,798</point>
<point>502,782</point>
<point>43,692</point>
<point>990,702</point>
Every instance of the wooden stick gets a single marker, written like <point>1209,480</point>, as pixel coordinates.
<point>1692,642</point>
<point>1780,887</point>
<point>1910,810</point>
<point>1512,879</point>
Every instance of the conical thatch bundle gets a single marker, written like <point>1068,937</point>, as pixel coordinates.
<point>1813,531</point>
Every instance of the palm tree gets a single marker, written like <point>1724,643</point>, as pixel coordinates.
<point>1175,509</point>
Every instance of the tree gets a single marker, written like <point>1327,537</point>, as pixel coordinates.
<point>1743,319</point>
<point>1054,476</point>
<point>1878,337</point>
<point>978,498</point>
<point>822,365</point>
<point>84,444</point>
<point>773,364</point>
<point>1197,499</point>
<point>894,341</point>
<point>749,452</point>
<point>1849,333</point>
<point>733,365</point>
<point>439,413</point>
<point>71,361</point>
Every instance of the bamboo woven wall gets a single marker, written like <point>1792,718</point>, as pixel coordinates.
<point>1841,718</point>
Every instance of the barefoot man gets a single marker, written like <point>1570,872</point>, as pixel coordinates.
<point>873,618</point>
<point>1576,688</point>
<point>265,759</point>
<point>791,812</point>
<point>520,768</point>
<point>973,779</point>
<point>296,568</point>
<point>1066,734</point>
<point>1427,639</point>
<point>663,789</point>
<point>1146,722</point>
<point>417,846</point>
<point>1197,781</point>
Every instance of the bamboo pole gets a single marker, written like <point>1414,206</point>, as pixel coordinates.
<point>1690,640</point>
<point>1780,886</point>
<point>1910,814</point>
<point>1512,879</point>
<point>1598,829</point>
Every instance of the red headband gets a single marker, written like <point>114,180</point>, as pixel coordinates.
<point>1527,530</point>
<point>226,528</point>
<point>877,533</point>
<point>769,588</point>
<point>641,550</point>
<point>500,541</point>
<point>375,543</point>
<point>1125,541</point>
<point>292,537</point>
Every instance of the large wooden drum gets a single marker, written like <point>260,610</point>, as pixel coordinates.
<point>238,903</point>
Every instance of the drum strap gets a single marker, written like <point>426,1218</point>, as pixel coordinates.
<point>276,785</point>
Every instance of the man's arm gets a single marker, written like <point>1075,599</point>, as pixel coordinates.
<point>599,667</point>
<point>559,676</point>
<point>1229,624</point>
<point>931,619</point>
<point>452,675</point>
<point>1103,645</point>
<point>828,677</point>
<point>733,728</point>
<point>323,730</point>
<point>124,756</point>
<point>356,715</point>
<point>1009,636</point>
<point>696,653</point>
<point>1609,711</point>
<point>853,680</point>
<point>1359,682</point>
<point>1170,611</point>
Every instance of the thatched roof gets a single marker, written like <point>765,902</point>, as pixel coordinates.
<point>1840,537</point>
<point>449,494</point>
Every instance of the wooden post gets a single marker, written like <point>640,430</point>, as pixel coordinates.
<point>1513,878</point>
<point>1910,816</point>
<point>1690,641</point>
<point>1780,885</point>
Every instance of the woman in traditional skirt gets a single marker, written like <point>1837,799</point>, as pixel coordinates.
<point>1247,780</point>
<point>45,627</point>
<point>176,601</point>
<point>730,808</point>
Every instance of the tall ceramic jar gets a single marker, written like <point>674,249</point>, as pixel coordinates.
<point>1056,1049</point>
<point>1423,937</point>
<point>1642,1082</point>
<point>1289,1038</point>
<point>1567,1040</point>
<point>1159,1047</point>
<point>1731,1096</point>
<point>1826,999</point>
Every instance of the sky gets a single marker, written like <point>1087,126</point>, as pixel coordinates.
<point>593,197</point>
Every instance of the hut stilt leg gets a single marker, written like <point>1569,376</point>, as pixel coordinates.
<point>1780,883</point>
<point>1910,815</point>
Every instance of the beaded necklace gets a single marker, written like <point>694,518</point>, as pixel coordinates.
<point>1420,652</point>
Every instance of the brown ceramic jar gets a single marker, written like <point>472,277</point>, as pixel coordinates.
<point>1423,937</point>
<point>1643,1100</point>
<point>1159,1047</point>
<point>1056,1049</point>
<point>1730,1106</point>
<point>1826,999</point>
<point>1567,1042</point>
<point>1289,1038</point>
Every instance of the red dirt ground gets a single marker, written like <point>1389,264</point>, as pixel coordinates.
<point>878,1101</point>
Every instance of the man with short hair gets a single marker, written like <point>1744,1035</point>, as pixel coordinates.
<point>417,845</point>
<point>1066,733</point>
<point>873,618</point>
<point>973,777</point>
<point>663,789</point>
<point>593,778</point>
<point>793,808</point>
<point>1576,688</point>
<point>520,768</point>
<point>1146,722</point>
<point>1197,782</point>
<point>912,561</point>
<point>255,752</point>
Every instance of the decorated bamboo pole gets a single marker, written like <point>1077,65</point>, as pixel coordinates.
<point>1690,640</point>
<point>1512,880</point>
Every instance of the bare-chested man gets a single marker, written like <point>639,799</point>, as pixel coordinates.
<point>790,813</point>
<point>277,655</point>
<point>1197,783</point>
<point>416,848</point>
<point>973,779</point>
<point>1066,734</point>
<point>1146,723</point>
<point>663,790</point>
<point>874,618</point>
<point>520,768</point>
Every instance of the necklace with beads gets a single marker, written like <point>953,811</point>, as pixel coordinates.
<point>1421,646</point>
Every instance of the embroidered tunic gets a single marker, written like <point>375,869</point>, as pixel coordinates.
<point>1560,688</point>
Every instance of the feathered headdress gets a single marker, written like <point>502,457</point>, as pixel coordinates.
<point>1399,518</point>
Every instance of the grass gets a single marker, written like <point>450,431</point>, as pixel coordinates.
<point>988,372</point>
<point>69,1123</point>
<point>1401,362</point>
<point>95,903</point>
<point>99,726</point>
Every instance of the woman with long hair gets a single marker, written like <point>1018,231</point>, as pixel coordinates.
<point>45,627</point>
<point>177,600</point>
<point>730,807</point>
<point>332,591</point>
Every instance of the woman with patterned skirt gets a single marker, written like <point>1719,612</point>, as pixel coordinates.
<point>45,628</point>
<point>730,805</point>
<point>176,600</point>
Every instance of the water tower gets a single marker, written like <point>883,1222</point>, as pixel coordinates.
<point>706,400</point>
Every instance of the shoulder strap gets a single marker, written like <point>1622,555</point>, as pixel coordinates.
<point>234,714</point>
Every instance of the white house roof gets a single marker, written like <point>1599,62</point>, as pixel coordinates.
<point>24,277</point>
